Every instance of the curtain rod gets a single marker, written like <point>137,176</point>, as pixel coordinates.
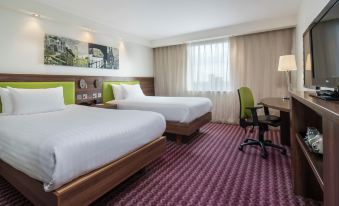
<point>240,34</point>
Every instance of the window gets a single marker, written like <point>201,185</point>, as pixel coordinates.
<point>208,66</point>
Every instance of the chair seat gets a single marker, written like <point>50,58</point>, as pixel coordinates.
<point>267,119</point>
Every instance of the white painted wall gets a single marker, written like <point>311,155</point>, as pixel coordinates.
<point>22,47</point>
<point>308,11</point>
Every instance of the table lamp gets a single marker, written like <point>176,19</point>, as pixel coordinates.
<point>287,64</point>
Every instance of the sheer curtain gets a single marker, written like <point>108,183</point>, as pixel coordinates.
<point>215,69</point>
<point>209,75</point>
<point>208,66</point>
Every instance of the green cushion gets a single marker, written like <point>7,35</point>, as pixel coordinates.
<point>246,100</point>
<point>69,88</point>
<point>107,90</point>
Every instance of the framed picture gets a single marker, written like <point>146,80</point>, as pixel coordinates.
<point>68,52</point>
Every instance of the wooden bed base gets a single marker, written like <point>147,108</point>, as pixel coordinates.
<point>87,188</point>
<point>186,129</point>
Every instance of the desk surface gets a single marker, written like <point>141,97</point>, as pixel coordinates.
<point>277,103</point>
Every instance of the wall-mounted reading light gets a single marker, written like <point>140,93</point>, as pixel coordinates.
<point>121,44</point>
<point>36,15</point>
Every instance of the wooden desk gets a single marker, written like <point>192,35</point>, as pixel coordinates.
<point>283,105</point>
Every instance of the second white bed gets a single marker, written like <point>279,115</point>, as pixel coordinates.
<point>176,109</point>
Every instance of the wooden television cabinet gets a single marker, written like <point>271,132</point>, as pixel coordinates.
<point>315,176</point>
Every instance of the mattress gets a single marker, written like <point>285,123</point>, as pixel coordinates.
<point>57,147</point>
<point>176,109</point>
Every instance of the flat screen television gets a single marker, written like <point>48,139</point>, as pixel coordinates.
<point>321,49</point>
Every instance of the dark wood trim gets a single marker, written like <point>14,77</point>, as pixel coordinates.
<point>4,77</point>
<point>186,129</point>
<point>146,83</point>
<point>89,187</point>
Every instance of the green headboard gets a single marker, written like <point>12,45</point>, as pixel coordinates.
<point>107,91</point>
<point>69,88</point>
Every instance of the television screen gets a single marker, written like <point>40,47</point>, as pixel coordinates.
<point>325,49</point>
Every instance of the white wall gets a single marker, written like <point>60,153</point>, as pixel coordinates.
<point>308,11</point>
<point>22,47</point>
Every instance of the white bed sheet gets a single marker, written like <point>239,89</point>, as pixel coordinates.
<point>176,109</point>
<point>57,147</point>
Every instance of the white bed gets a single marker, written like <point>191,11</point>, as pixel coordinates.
<point>57,147</point>
<point>175,109</point>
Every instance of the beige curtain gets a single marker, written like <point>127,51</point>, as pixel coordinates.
<point>170,70</point>
<point>253,63</point>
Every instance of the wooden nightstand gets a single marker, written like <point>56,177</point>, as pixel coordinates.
<point>105,106</point>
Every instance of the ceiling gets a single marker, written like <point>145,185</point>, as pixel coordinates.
<point>159,19</point>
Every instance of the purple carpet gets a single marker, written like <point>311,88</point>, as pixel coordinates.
<point>210,170</point>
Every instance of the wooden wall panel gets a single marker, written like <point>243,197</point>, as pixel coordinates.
<point>146,83</point>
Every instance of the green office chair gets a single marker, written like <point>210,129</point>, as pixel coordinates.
<point>249,117</point>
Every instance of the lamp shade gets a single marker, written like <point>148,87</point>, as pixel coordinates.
<point>287,63</point>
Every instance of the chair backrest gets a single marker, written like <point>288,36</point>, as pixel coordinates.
<point>246,100</point>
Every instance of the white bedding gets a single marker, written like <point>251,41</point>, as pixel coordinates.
<point>176,109</point>
<point>57,147</point>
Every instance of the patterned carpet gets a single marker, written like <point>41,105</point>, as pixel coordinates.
<point>210,170</point>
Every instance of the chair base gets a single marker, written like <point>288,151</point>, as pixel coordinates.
<point>263,144</point>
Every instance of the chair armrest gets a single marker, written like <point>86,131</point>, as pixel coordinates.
<point>254,113</point>
<point>254,108</point>
<point>266,110</point>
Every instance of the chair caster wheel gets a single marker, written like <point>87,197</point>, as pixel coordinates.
<point>241,148</point>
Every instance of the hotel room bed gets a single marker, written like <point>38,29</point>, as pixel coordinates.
<point>174,109</point>
<point>56,147</point>
<point>184,115</point>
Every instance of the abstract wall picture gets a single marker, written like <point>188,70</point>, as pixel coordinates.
<point>68,52</point>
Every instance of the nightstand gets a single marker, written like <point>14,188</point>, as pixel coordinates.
<point>105,106</point>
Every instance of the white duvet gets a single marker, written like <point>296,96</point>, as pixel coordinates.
<point>176,109</point>
<point>57,147</point>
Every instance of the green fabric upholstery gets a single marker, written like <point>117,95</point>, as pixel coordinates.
<point>107,90</point>
<point>246,100</point>
<point>69,88</point>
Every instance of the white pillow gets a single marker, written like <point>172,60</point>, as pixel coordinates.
<point>118,93</point>
<point>32,101</point>
<point>132,91</point>
<point>6,101</point>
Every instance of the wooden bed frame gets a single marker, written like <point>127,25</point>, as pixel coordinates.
<point>87,188</point>
<point>187,129</point>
